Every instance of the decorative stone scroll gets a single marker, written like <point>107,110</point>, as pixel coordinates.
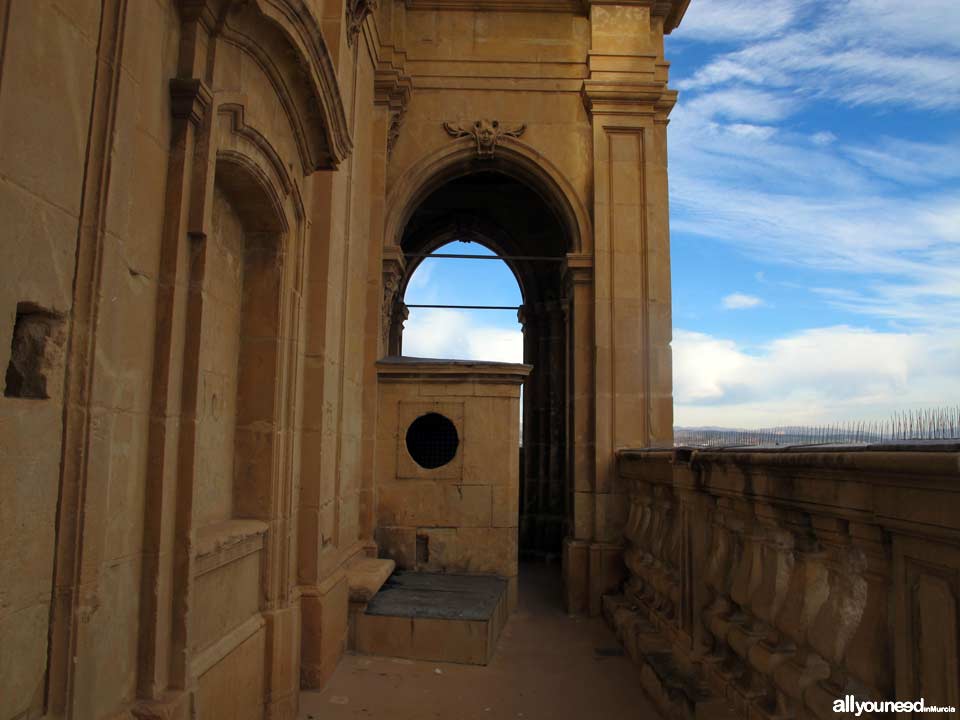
<point>393,310</point>
<point>357,11</point>
<point>393,91</point>
<point>486,133</point>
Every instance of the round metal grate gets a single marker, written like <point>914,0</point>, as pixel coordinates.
<point>432,440</point>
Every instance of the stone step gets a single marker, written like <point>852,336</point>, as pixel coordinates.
<point>437,617</point>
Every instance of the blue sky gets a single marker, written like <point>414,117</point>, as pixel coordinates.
<point>815,217</point>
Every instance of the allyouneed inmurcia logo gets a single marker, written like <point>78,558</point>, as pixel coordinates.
<point>849,704</point>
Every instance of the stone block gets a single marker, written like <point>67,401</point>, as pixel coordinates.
<point>234,687</point>
<point>325,622</point>
<point>467,506</point>
<point>445,618</point>
<point>506,506</point>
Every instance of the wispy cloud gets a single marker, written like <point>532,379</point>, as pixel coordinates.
<point>872,52</point>
<point>742,104</point>
<point>722,20</point>
<point>741,301</point>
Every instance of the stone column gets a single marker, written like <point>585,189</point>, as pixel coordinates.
<point>530,472</point>
<point>392,94</point>
<point>554,507</point>
<point>581,456</point>
<point>166,562</point>
<point>628,101</point>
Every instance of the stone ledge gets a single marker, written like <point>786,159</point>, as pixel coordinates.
<point>224,542</point>
<point>366,576</point>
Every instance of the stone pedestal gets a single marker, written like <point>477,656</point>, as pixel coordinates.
<point>447,483</point>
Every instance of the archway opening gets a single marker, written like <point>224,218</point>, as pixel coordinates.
<point>463,304</point>
<point>492,215</point>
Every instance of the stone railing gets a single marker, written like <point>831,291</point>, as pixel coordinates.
<point>769,584</point>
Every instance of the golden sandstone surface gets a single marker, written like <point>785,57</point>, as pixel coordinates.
<point>211,210</point>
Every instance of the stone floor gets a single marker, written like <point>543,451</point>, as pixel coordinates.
<point>548,665</point>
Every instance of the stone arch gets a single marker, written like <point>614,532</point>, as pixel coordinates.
<point>239,382</point>
<point>518,206</point>
<point>246,146</point>
<point>517,160</point>
<point>272,33</point>
<point>242,191</point>
<point>481,232</point>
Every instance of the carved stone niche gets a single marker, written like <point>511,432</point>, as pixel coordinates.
<point>486,133</point>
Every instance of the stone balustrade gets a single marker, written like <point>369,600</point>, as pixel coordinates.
<point>769,583</point>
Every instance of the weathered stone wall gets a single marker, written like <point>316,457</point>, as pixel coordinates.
<point>771,583</point>
<point>200,198</point>
<point>85,123</point>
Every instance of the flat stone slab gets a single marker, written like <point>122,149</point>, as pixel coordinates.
<point>427,616</point>
<point>443,597</point>
<point>366,576</point>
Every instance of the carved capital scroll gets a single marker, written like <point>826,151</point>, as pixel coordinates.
<point>392,312</point>
<point>357,11</point>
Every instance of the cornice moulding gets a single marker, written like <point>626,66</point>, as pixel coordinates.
<point>558,6</point>
<point>671,11</point>
<point>600,97</point>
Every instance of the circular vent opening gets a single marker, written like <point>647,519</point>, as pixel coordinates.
<point>432,440</point>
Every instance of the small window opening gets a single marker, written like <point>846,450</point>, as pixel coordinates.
<point>432,440</point>
<point>34,352</point>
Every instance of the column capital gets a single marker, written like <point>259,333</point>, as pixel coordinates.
<point>604,97</point>
<point>190,99</point>
<point>578,270</point>
<point>671,11</point>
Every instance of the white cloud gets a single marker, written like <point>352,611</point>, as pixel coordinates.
<point>720,20</point>
<point>742,104</point>
<point>741,301</point>
<point>457,335</point>
<point>823,138</point>
<point>820,375</point>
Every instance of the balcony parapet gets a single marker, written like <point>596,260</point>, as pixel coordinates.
<point>772,582</point>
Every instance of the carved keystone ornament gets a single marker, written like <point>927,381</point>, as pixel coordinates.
<point>487,134</point>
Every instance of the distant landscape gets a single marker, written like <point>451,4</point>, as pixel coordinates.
<point>936,424</point>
